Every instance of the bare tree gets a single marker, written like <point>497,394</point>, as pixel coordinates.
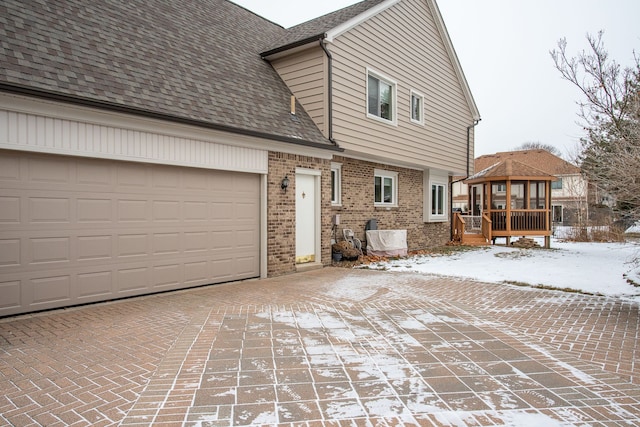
<point>537,145</point>
<point>610,156</point>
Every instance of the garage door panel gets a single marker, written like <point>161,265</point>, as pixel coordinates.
<point>244,265</point>
<point>10,253</point>
<point>9,210</point>
<point>93,248</point>
<point>196,241</point>
<point>132,245</point>
<point>10,167</point>
<point>49,210</point>
<point>94,285</point>
<point>49,250</point>
<point>132,279</point>
<point>11,292</point>
<point>196,272</point>
<point>195,211</point>
<point>167,276</point>
<point>166,210</point>
<point>132,176</point>
<point>76,230</point>
<point>95,173</point>
<point>223,270</point>
<point>94,210</point>
<point>50,289</point>
<point>49,171</point>
<point>133,210</point>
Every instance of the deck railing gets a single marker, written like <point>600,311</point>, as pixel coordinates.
<point>487,227</point>
<point>520,220</point>
<point>458,227</point>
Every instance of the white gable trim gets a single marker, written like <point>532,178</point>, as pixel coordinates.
<point>354,22</point>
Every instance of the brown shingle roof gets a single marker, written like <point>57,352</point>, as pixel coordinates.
<point>197,60</point>
<point>508,169</point>
<point>539,159</point>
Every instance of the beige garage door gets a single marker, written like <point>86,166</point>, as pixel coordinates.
<point>76,230</point>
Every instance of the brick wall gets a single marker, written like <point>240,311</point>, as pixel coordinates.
<point>281,211</point>
<point>357,205</point>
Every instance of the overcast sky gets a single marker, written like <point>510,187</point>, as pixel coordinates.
<point>503,46</point>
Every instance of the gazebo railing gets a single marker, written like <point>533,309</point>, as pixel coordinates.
<point>520,220</point>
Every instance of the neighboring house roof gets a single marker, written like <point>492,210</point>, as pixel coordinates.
<point>335,23</point>
<point>539,159</point>
<point>186,60</point>
<point>510,169</point>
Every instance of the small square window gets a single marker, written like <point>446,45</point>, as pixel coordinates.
<point>557,184</point>
<point>417,108</point>
<point>385,188</point>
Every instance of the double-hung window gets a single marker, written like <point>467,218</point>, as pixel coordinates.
<point>381,97</point>
<point>438,202</point>
<point>385,188</point>
<point>417,108</point>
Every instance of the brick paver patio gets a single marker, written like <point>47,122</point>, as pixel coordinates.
<point>324,348</point>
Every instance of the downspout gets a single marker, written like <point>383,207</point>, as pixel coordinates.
<point>475,123</point>
<point>329,89</point>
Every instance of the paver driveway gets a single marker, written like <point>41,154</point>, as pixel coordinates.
<point>327,347</point>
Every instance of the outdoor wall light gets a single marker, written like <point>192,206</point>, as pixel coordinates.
<point>285,183</point>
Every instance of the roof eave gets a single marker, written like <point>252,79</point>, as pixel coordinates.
<point>110,106</point>
<point>295,46</point>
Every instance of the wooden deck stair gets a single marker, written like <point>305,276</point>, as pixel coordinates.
<point>473,239</point>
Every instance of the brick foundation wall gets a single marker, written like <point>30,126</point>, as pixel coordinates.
<point>357,205</point>
<point>281,211</point>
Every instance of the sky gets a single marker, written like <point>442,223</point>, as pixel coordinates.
<point>503,47</point>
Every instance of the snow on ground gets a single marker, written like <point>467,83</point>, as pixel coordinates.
<point>595,268</point>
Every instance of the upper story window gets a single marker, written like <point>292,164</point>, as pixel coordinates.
<point>556,185</point>
<point>381,97</point>
<point>417,108</point>
<point>385,188</point>
<point>336,184</point>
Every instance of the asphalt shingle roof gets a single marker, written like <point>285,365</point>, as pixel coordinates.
<point>197,60</point>
<point>539,159</point>
<point>319,26</point>
<point>509,168</point>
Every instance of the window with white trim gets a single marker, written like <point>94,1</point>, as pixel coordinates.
<point>385,188</point>
<point>381,97</point>
<point>438,200</point>
<point>336,184</point>
<point>417,108</point>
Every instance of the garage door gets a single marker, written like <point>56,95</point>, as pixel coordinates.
<point>76,230</point>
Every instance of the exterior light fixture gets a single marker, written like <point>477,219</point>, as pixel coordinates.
<point>285,183</point>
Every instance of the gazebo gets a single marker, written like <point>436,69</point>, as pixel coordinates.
<point>508,199</point>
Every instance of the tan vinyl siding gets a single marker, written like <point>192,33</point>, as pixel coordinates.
<point>403,44</point>
<point>305,74</point>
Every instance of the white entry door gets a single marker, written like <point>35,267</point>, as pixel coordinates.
<point>307,205</point>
